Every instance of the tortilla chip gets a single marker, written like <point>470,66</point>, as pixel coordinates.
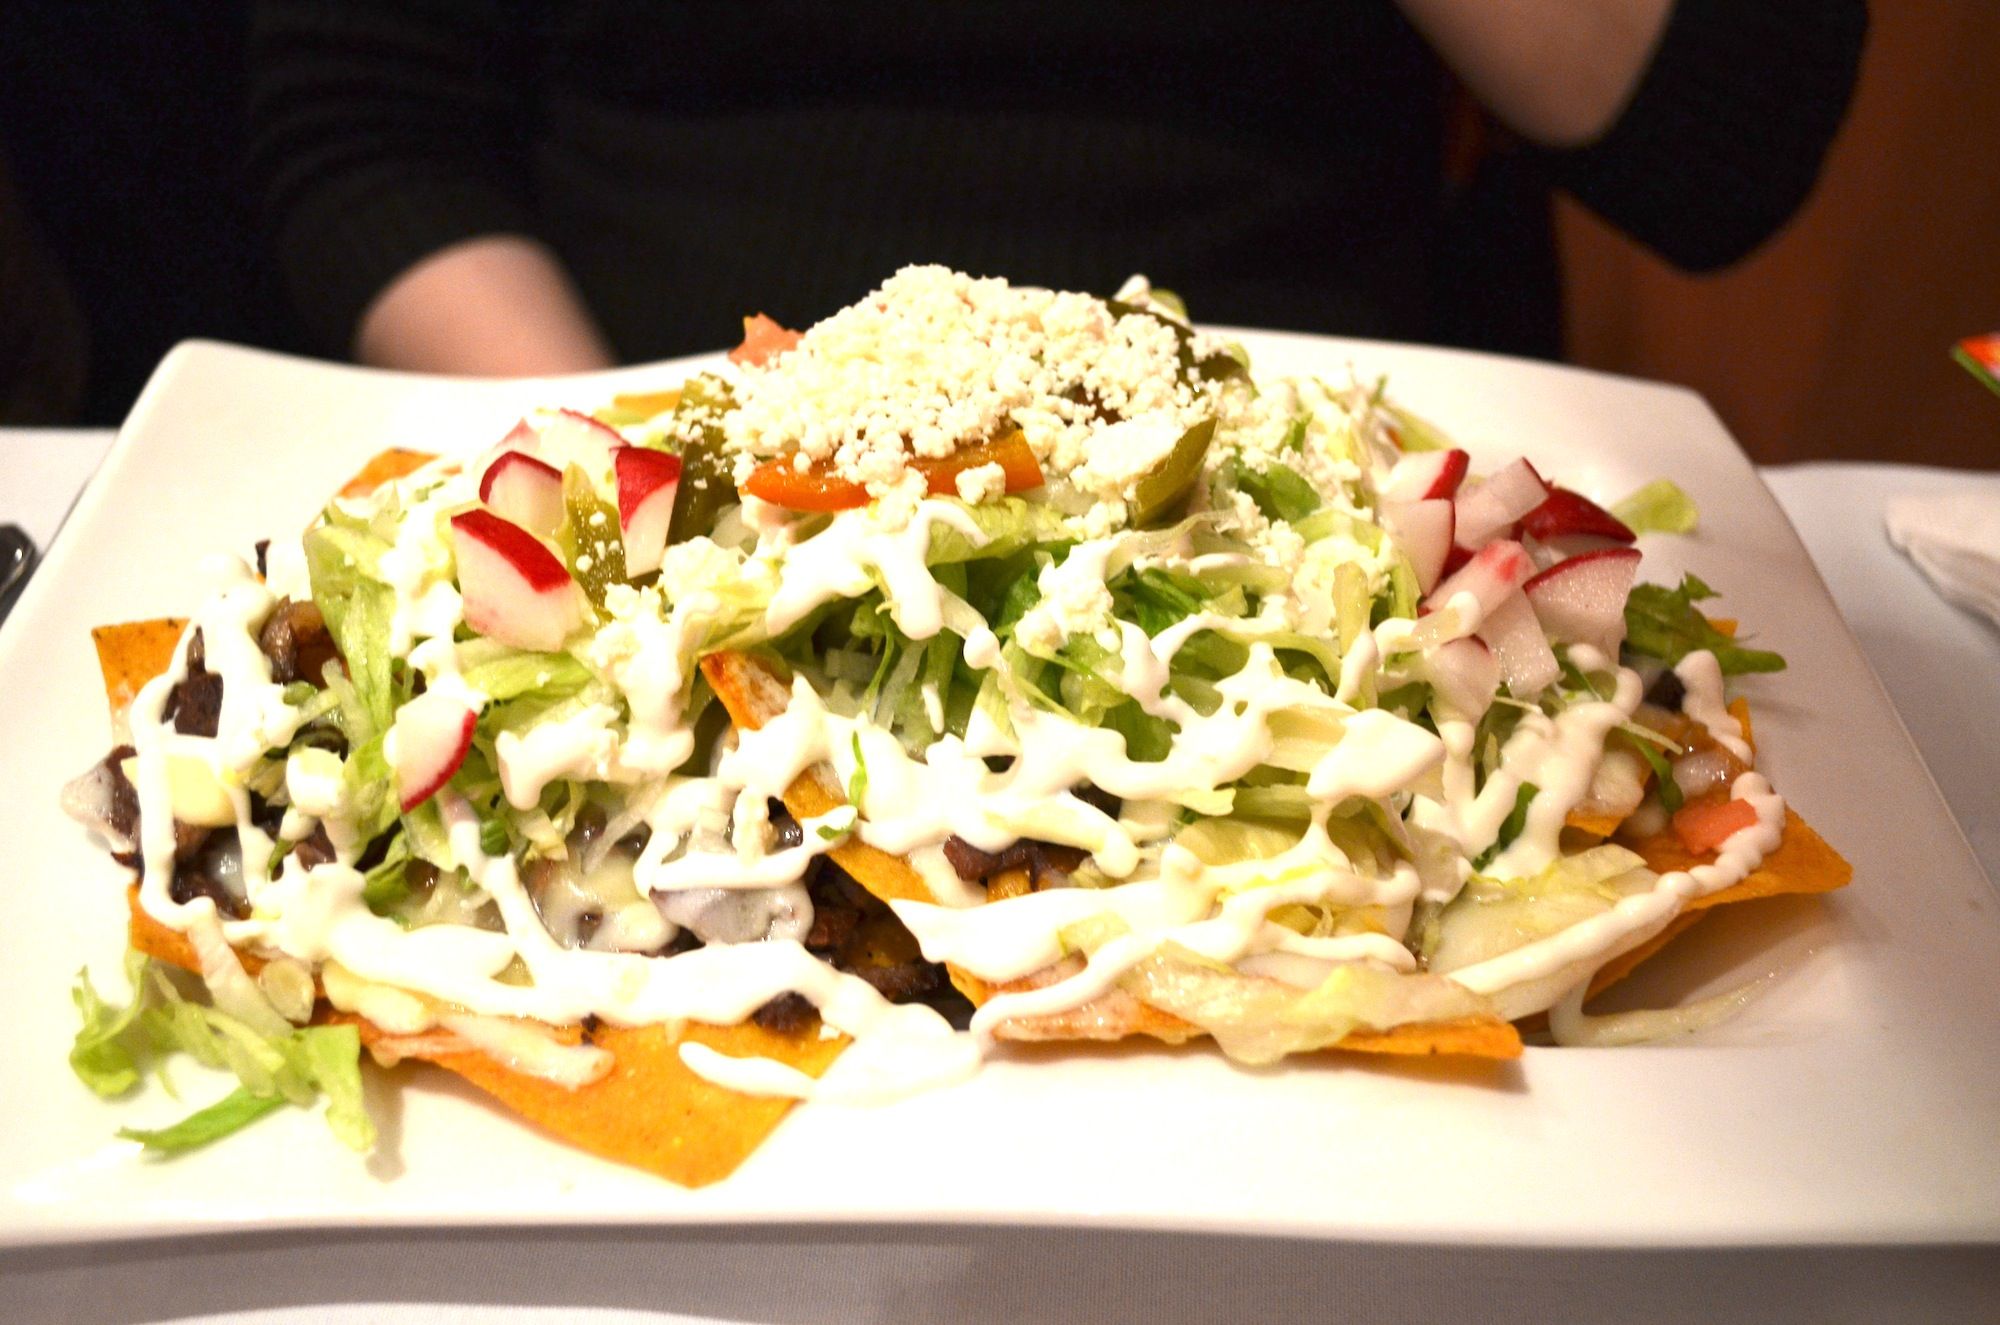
<point>752,692</point>
<point>1803,863</point>
<point>1116,1015</point>
<point>651,1111</point>
<point>131,654</point>
<point>1597,825</point>
<point>1625,963</point>
<point>386,467</point>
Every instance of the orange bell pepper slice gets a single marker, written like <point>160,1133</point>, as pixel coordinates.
<point>812,489</point>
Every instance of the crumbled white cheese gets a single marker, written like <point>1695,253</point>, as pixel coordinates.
<point>981,483</point>
<point>1124,452</point>
<point>936,360</point>
<point>1075,599</point>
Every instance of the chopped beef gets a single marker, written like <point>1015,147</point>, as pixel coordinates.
<point>322,735</point>
<point>297,642</point>
<point>786,831</point>
<point>952,1005</point>
<point>103,800</point>
<point>122,814</point>
<point>1047,863</point>
<point>838,905</point>
<point>268,816</point>
<point>904,981</point>
<point>207,872</point>
<point>188,839</point>
<point>786,1014</point>
<point>195,705</point>
<point>1098,798</point>
<point>1667,691</point>
<point>316,848</point>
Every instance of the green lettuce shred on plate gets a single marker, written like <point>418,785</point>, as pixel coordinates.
<point>1660,507</point>
<point>117,1044</point>
<point>1664,623</point>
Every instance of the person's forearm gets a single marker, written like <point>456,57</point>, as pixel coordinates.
<point>496,306</point>
<point>1555,71</point>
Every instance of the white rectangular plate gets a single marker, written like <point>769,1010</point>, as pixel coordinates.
<point>1857,1101</point>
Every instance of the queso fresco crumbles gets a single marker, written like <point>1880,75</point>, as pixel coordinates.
<point>985,663</point>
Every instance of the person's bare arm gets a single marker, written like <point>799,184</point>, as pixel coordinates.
<point>495,306</point>
<point>1557,72</point>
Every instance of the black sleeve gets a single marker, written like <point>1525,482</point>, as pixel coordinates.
<point>382,132</point>
<point>1724,135</point>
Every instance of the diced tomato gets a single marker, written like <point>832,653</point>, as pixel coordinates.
<point>1704,825</point>
<point>784,484</point>
<point>762,338</point>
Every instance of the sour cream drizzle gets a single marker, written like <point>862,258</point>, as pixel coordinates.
<point>708,832</point>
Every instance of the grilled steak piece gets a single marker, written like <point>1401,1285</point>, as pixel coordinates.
<point>297,642</point>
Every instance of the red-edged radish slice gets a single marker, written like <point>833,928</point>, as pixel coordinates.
<point>1567,513</point>
<point>522,489</point>
<point>516,591</point>
<point>1465,673</point>
<point>1423,475</point>
<point>1582,600</point>
<point>1491,508</point>
<point>1527,664</point>
<point>647,482</point>
<point>427,744</point>
<point>1703,826</point>
<point>1423,530</point>
<point>1489,576</point>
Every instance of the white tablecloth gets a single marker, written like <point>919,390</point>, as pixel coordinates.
<point>1941,668</point>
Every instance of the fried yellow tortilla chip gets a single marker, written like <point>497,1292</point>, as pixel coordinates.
<point>131,654</point>
<point>750,689</point>
<point>386,467</point>
<point>650,1111</point>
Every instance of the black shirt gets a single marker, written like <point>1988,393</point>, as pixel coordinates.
<point>1279,165</point>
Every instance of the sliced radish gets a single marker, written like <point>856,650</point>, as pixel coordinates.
<point>1527,664</point>
<point>1423,530</point>
<point>1567,513</point>
<point>522,489</point>
<point>516,591</point>
<point>1466,675</point>
<point>521,437</point>
<point>1548,551</point>
<point>569,435</point>
<point>1489,576</point>
<point>1582,600</point>
<point>427,744</point>
<point>647,482</point>
<point>1493,506</point>
<point>1423,475</point>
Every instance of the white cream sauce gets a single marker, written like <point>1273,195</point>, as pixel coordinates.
<point>709,833</point>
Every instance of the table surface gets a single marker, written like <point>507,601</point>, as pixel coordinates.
<point>1940,667</point>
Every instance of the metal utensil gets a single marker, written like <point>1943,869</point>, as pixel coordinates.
<point>17,562</point>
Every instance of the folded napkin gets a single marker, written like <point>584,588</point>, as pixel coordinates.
<point>1954,537</point>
